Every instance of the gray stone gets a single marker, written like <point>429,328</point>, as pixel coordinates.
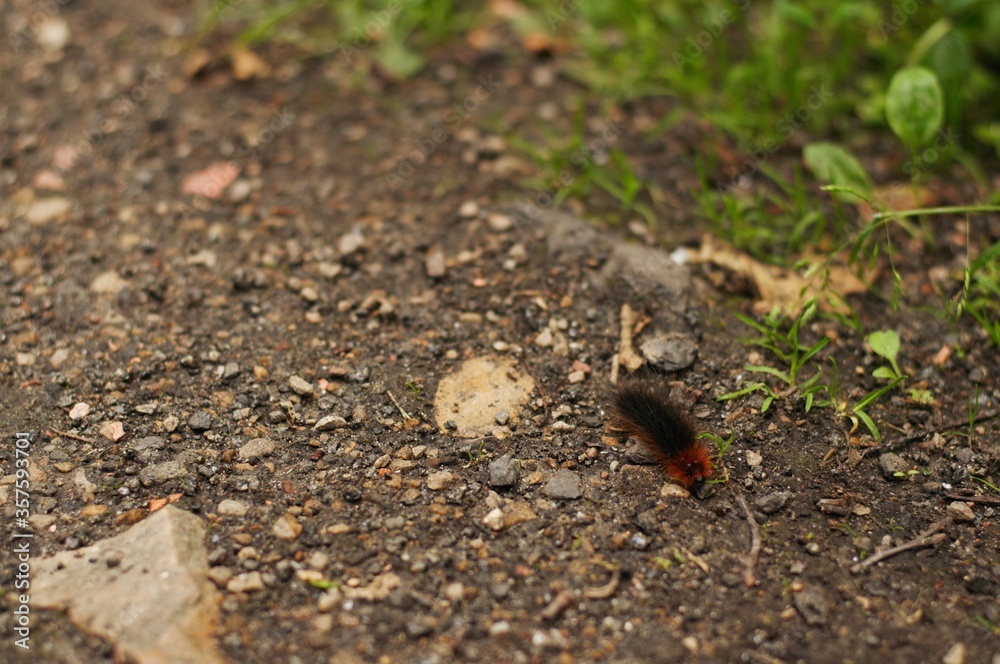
<point>330,422</point>
<point>149,443</point>
<point>648,522</point>
<point>163,472</point>
<point>301,386</point>
<point>504,472</point>
<point>893,466</point>
<point>644,269</point>
<point>360,375</point>
<point>640,454</point>
<point>978,375</point>
<point>40,522</point>
<point>564,485</point>
<point>440,480</point>
<point>434,263</point>
<point>247,582</point>
<point>960,512</point>
<point>772,502</point>
<point>813,605</point>
<point>155,604</point>
<point>569,239</point>
<point>257,447</point>
<point>669,351</point>
<point>965,455</point>
<point>200,421</point>
<point>229,507</point>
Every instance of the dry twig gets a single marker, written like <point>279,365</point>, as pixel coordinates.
<point>74,436</point>
<point>984,500</point>
<point>958,424</point>
<point>406,416</point>
<point>926,538</point>
<point>558,604</point>
<point>626,352</point>
<point>750,562</point>
<point>607,590</point>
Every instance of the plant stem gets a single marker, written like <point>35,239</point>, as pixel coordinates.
<point>959,209</point>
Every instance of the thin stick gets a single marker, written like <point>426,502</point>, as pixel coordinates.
<point>74,436</point>
<point>626,353</point>
<point>607,590</point>
<point>985,500</point>
<point>750,562</point>
<point>406,416</point>
<point>702,565</point>
<point>559,603</point>
<point>924,539</point>
<point>956,425</point>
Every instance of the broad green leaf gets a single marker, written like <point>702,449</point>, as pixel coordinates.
<point>397,60</point>
<point>884,372</point>
<point>833,164</point>
<point>886,344</point>
<point>914,106</point>
<point>950,60</point>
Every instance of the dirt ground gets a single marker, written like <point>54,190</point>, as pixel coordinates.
<point>184,317</point>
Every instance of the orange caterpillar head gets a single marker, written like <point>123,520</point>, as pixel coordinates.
<point>690,466</point>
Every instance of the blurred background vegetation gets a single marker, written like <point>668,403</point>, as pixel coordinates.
<point>917,78</point>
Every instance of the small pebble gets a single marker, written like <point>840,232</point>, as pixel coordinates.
<point>301,386</point>
<point>200,421</point>
<point>499,222</point>
<point>440,480</point>
<point>564,485</point>
<point>961,512</point>
<point>504,472</point>
<point>329,423</point>
<point>893,466</point>
<point>468,209</point>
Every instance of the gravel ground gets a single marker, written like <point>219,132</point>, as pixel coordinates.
<point>236,298</point>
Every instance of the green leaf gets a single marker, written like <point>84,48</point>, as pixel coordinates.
<point>817,347</point>
<point>770,370</point>
<point>872,396</point>
<point>863,416</point>
<point>950,60</point>
<point>914,106</point>
<point>397,60</point>
<point>886,344</point>
<point>749,389</point>
<point>833,164</point>
<point>793,13</point>
<point>925,397</point>
<point>884,372</point>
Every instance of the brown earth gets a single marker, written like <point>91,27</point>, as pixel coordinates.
<point>183,317</point>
